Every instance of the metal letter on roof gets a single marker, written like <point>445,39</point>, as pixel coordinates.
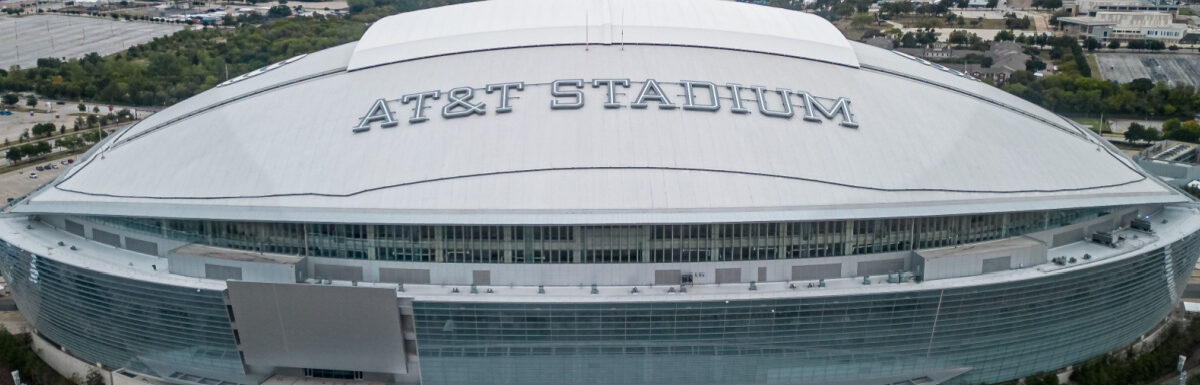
<point>652,91</point>
<point>841,106</point>
<point>379,111</point>
<point>460,103</point>
<point>736,90</point>
<point>785,95</point>
<point>419,107</point>
<point>689,96</point>
<point>503,88</point>
<point>612,90</point>
<point>558,93</point>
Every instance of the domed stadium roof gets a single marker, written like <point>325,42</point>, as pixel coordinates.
<point>336,135</point>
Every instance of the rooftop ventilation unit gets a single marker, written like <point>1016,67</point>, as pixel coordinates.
<point>1106,238</point>
<point>1141,224</point>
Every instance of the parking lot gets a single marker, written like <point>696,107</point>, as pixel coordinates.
<point>24,39</point>
<point>1174,69</point>
<point>17,183</point>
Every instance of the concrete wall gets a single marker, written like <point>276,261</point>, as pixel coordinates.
<point>643,274</point>
<point>194,266</point>
<point>66,364</point>
<point>972,261</point>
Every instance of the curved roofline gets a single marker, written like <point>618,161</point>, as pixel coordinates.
<point>510,24</point>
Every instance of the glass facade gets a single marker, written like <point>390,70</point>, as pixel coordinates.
<point>604,244</point>
<point>987,333</point>
<point>147,327</point>
<point>997,331</point>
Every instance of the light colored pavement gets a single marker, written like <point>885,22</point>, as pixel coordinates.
<point>24,39</point>
<point>1119,126</point>
<point>17,183</point>
<point>11,127</point>
<point>1174,69</point>
<point>13,322</point>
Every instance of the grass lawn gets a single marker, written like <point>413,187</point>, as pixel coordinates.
<point>1091,59</point>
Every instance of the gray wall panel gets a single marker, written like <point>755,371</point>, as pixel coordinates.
<point>396,275</point>
<point>106,238</point>
<point>73,227</point>
<point>812,272</point>
<point>996,264</point>
<point>144,247</point>
<point>1067,237</point>
<point>729,275</point>
<point>668,277</point>
<point>338,272</point>
<point>880,267</point>
<point>481,277</point>
<point>212,271</point>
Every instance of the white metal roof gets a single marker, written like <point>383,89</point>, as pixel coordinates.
<point>280,145</point>
<point>499,24</point>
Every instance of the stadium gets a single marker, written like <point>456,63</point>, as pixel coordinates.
<point>598,192</point>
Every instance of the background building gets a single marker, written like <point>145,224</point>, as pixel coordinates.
<point>647,193</point>
<point>1125,26</point>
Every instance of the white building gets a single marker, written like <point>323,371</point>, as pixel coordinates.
<point>1125,26</point>
<point>547,192</point>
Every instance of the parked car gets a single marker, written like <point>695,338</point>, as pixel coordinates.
<point>39,168</point>
<point>70,161</point>
<point>33,175</point>
<point>54,166</point>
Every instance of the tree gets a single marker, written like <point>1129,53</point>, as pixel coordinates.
<point>959,37</point>
<point>1141,85</point>
<point>1136,44</point>
<point>14,154</point>
<point>279,11</point>
<point>1091,44</point>
<point>993,3</point>
<point>1045,378</point>
<point>43,129</point>
<point>1134,133</point>
<point>1004,35</point>
<point>31,101</point>
<point>1156,45</point>
<point>1034,65</point>
<point>96,109</point>
<point>81,107</point>
<point>71,143</point>
<point>1114,44</point>
<point>10,99</point>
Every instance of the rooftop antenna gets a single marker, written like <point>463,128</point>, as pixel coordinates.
<point>586,33</point>
<point>622,29</point>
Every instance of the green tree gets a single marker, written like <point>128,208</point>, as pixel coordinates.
<point>81,107</point>
<point>1114,44</point>
<point>31,101</point>
<point>1091,44</point>
<point>1134,133</point>
<point>43,129</point>
<point>10,99</point>
<point>1044,378</point>
<point>1034,65</point>
<point>14,154</point>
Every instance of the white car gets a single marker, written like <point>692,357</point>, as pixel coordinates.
<point>33,175</point>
